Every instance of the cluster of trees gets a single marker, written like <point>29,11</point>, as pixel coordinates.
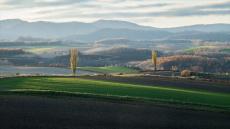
<point>24,43</point>
<point>5,52</point>
<point>18,57</point>
<point>195,63</point>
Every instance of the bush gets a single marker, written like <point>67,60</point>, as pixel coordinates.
<point>185,73</point>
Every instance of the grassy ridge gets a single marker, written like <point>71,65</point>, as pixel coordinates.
<point>227,50</point>
<point>109,69</point>
<point>193,49</point>
<point>84,86</point>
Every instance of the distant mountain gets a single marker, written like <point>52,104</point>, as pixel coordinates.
<point>205,36</point>
<point>14,28</point>
<point>114,24</point>
<point>131,34</point>
<point>103,29</point>
<point>202,28</point>
<point>18,28</point>
<point>149,35</point>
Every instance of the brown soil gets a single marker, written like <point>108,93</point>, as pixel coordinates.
<point>40,112</point>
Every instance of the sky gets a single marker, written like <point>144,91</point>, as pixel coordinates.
<point>156,13</point>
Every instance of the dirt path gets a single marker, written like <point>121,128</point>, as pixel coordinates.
<point>159,81</point>
<point>33,112</point>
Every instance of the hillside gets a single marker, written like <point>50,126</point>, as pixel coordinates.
<point>131,34</point>
<point>196,63</point>
<point>107,56</point>
<point>35,102</point>
<point>118,91</point>
<point>105,29</point>
<point>203,28</point>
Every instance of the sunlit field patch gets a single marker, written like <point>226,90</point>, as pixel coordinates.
<point>112,89</point>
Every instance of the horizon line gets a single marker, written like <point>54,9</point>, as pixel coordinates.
<point>72,21</point>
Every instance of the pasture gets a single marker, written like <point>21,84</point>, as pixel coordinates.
<point>109,69</point>
<point>115,90</point>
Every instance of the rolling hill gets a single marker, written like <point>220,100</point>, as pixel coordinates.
<point>105,29</point>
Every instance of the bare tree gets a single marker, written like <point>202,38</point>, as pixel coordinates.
<point>174,69</point>
<point>154,59</point>
<point>73,60</point>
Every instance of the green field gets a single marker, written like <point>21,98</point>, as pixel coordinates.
<point>200,48</point>
<point>40,50</point>
<point>76,86</point>
<point>227,50</point>
<point>109,69</point>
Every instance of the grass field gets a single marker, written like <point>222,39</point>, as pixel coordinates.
<point>194,49</point>
<point>117,90</point>
<point>109,69</point>
<point>40,50</point>
<point>227,50</point>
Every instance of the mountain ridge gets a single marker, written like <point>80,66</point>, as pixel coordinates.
<point>14,28</point>
<point>113,21</point>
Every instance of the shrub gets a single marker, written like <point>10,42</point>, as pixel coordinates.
<point>185,73</point>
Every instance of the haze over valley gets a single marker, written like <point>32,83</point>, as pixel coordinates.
<point>113,42</point>
<point>114,64</point>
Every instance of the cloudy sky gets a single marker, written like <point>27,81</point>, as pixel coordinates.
<point>157,13</point>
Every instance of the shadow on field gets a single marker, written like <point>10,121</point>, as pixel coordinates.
<point>39,112</point>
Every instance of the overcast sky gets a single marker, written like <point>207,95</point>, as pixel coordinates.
<point>157,13</point>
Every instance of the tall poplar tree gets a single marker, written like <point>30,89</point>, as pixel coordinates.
<point>73,60</point>
<point>154,59</point>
